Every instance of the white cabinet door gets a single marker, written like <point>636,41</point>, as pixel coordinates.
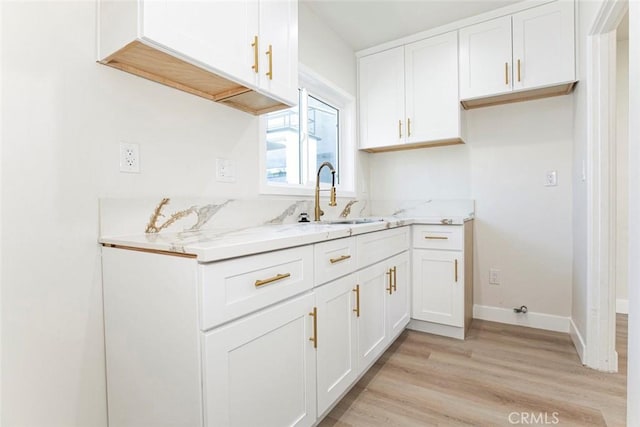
<point>485,58</point>
<point>431,77</point>
<point>186,28</point>
<point>261,370</point>
<point>438,292</point>
<point>398,307</point>
<point>278,49</point>
<point>543,45</point>
<point>372,329</point>
<point>337,353</point>
<point>381,93</point>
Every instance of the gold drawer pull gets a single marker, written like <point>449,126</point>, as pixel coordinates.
<point>456,272</point>
<point>390,288</point>
<point>272,279</point>
<point>506,73</point>
<point>269,53</point>
<point>436,237</point>
<point>254,45</point>
<point>408,127</point>
<point>400,129</point>
<point>395,279</point>
<point>518,70</point>
<point>340,258</point>
<point>314,338</point>
<point>357,309</point>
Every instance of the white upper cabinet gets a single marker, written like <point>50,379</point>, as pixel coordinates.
<point>431,96</point>
<point>279,49</point>
<point>381,81</point>
<point>527,55</point>
<point>543,45</point>
<point>409,95</point>
<point>485,58</point>
<point>243,53</point>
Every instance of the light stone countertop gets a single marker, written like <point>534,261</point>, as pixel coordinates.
<point>212,245</point>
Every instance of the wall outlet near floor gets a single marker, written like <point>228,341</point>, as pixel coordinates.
<point>494,276</point>
<point>129,157</point>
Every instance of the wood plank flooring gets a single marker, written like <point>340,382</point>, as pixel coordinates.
<point>498,376</point>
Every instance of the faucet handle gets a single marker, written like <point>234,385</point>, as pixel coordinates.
<point>332,200</point>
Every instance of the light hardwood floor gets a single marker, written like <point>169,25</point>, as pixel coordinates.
<point>426,380</point>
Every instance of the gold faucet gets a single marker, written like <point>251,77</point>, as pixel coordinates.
<point>332,200</point>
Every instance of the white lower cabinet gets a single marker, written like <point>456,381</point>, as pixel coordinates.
<point>337,365</point>
<point>442,270</point>
<point>253,341</point>
<point>372,324</point>
<point>399,301</point>
<point>439,295</point>
<point>261,370</point>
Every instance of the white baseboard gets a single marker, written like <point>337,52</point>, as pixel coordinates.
<point>544,321</point>
<point>578,341</point>
<point>622,306</point>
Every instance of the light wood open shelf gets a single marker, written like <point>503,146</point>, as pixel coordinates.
<point>152,64</point>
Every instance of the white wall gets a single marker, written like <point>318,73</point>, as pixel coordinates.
<point>432,173</point>
<point>622,172</point>
<point>521,227</point>
<point>633,378</point>
<point>63,118</point>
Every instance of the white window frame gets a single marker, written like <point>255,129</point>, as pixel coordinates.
<point>327,92</point>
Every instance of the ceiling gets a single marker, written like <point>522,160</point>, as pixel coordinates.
<point>366,23</point>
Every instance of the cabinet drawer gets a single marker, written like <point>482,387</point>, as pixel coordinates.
<point>374,247</point>
<point>334,259</point>
<point>449,237</point>
<point>233,288</point>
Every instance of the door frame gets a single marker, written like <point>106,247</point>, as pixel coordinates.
<point>600,351</point>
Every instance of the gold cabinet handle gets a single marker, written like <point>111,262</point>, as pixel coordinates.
<point>436,237</point>
<point>314,338</point>
<point>408,127</point>
<point>518,70</point>
<point>400,129</point>
<point>357,309</point>
<point>254,45</point>
<point>272,279</point>
<point>506,73</point>
<point>395,279</point>
<point>390,288</point>
<point>340,258</point>
<point>456,270</point>
<point>270,54</point>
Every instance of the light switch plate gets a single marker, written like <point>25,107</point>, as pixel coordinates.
<point>551,179</point>
<point>225,170</point>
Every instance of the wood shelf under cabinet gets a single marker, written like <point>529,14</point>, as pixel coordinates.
<point>153,64</point>
<point>525,95</point>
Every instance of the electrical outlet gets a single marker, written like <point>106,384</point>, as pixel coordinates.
<point>551,179</point>
<point>225,170</point>
<point>494,276</point>
<point>129,157</point>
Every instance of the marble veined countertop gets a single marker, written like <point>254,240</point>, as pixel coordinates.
<point>209,245</point>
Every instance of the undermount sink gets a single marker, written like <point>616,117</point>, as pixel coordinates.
<point>352,221</point>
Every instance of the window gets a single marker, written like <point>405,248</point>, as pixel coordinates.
<point>298,140</point>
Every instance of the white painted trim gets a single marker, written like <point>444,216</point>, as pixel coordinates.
<point>548,322</point>
<point>436,329</point>
<point>578,341</point>
<point>622,306</point>
<point>456,25</point>
<point>601,254</point>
